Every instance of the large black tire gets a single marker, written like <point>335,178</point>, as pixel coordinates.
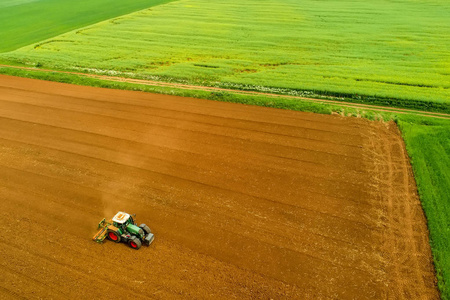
<point>145,228</point>
<point>135,243</point>
<point>113,236</point>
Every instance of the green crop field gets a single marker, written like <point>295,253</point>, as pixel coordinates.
<point>428,144</point>
<point>23,22</point>
<point>386,49</point>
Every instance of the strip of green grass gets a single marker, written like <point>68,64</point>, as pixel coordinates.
<point>23,22</point>
<point>365,51</point>
<point>428,144</point>
<point>427,141</point>
<point>282,103</point>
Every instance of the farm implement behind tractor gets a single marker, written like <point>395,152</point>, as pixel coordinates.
<point>123,228</point>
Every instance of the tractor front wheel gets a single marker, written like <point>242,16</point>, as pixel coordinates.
<point>114,236</point>
<point>135,243</point>
<point>145,228</point>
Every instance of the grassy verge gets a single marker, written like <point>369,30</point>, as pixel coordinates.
<point>27,21</point>
<point>428,144</point>
<point>427,141</point>
<point>429,106</point>
<point>259,100</point>
<point>361,51</point>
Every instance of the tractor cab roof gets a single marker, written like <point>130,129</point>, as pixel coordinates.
<point>121,217</point>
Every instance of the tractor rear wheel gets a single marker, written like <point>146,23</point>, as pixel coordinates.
<point>135,243</point>
<point>145,228</point>
<point>113,236</point>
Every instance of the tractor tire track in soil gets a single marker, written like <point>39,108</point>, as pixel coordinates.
<point>245,202</point>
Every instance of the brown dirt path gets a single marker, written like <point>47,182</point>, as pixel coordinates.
<point>360,106</point>
<point>245,202</point>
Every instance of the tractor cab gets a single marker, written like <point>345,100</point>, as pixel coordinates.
<point>121,220</point>
<point>125,223</point>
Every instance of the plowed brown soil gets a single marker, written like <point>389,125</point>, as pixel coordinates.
<point>245,202</point>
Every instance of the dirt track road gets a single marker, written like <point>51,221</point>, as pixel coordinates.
<point>245,202</point>
<point>339,103</point>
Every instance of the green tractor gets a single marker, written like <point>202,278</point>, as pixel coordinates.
<point>123,228</point>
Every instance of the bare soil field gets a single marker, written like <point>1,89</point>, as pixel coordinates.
<point>245,202</point>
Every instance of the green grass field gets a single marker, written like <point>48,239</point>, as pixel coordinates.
<point>23,22</point>
<point>352,48</point>
<point>428,144</point>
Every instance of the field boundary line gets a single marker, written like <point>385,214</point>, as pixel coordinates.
<point>241,92</point>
